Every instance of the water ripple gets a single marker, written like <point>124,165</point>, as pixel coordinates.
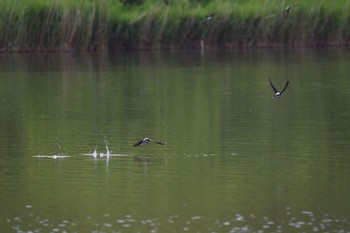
<point>195,223</point>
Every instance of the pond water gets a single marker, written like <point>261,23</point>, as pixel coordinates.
<point>235,159</point>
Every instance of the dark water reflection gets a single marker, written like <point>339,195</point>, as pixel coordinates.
<point>235,161</point>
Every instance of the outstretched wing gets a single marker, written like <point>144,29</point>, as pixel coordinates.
<point>273,87</point>
<point>285,87</point>
<point>138,143</point>
<point>160,143</point>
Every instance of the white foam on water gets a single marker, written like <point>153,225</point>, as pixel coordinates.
<point>51,156</point>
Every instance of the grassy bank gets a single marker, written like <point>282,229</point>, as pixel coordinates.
<point>51,25</point>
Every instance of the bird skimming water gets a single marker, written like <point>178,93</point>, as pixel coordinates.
<point>277,93</point>
<point>147,140</point>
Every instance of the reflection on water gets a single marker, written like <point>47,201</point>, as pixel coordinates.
<point>235,160</point>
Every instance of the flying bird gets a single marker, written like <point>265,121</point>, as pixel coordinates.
<point>209,17</point>
<point>277,93</point>
<point>147,140</point>
<point>286,12</point>
<point>287,9</point>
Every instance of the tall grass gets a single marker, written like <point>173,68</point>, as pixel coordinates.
<point>42,25</point>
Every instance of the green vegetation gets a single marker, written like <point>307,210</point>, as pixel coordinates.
<point>51,25</point>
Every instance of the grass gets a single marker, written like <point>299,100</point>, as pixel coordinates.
<point>64,25</point>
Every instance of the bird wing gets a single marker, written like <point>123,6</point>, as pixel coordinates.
<point>160,143</point>
<point>138,143</point>
<point>273,87</point>
<point>285,87</point>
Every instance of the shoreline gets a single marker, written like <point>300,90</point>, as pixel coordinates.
<point>107,25</point>
<point>164,49</point>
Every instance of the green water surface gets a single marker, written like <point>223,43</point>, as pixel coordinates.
<point>235,159</point>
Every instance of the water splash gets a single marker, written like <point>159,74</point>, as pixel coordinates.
<point>107,150</point>
<point>107,154</point>
<point>98,154</point>
<point>60,153</point>
<point>51,156</point>
<point>94,154</point>
<point>60,148</point>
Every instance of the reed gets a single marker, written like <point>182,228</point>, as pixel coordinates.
<point>64,25</point>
